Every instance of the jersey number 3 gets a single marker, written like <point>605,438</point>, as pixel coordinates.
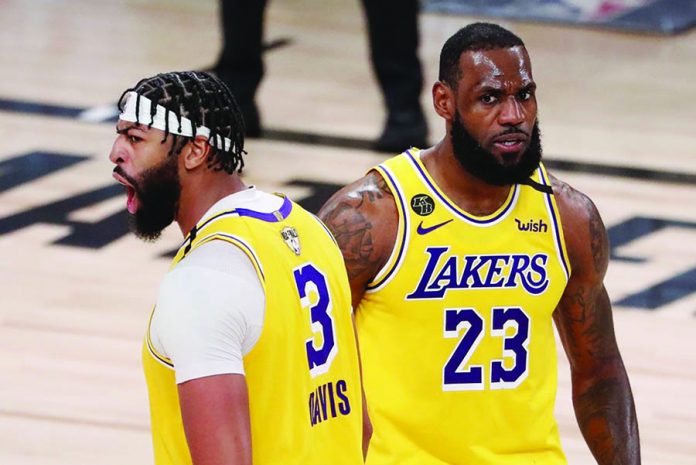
<point>314,296</point>
<point>457,376</point>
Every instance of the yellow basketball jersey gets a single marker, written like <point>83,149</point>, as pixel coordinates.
<point>302,375</point>
<point>456,334</point>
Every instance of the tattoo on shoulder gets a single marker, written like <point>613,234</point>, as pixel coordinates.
<point>353,229</point>
<point>376,187</point>
<point>597,231</point>
<point>597,236</point>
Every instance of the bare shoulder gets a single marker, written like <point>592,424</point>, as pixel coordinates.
<point>585,234</point>
<point>368,195</point>
<point>363,218</point>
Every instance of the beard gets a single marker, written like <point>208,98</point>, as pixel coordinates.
<point>158,193</point>
<point>482,164</point>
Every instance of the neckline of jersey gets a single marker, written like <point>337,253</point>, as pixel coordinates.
<point>271,217</point>
<point>486,220</point>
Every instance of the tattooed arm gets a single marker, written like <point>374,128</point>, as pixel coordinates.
<point>601,391</point>
<point>362,217</point>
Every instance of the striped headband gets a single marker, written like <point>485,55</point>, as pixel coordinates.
<point>138,110</point>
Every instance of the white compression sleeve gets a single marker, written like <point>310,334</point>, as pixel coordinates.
<point>209,312</point>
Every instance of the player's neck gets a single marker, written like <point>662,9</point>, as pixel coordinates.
<point>468,192</point>
<point>201,193</point>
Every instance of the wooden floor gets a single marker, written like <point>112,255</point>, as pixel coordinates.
<point>73,312</point>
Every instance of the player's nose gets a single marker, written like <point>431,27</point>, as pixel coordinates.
<point>511,114</point>
<point>118,152</point>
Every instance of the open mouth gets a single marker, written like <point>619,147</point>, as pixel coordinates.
<point>132,200</point>
<point>510,143</point>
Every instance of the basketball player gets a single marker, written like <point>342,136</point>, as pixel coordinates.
<point>459,257</point>
<point>250,352</point>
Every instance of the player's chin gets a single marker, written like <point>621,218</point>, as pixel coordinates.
<point>509,158</point>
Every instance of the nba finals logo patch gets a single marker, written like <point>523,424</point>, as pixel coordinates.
<point>292,240</point>
<point>422,204</point>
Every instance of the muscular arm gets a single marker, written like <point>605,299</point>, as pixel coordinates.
<point>362,217</point>
<point>215,412</point>
<point>602,395</point>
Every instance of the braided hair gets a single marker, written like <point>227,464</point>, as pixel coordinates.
<point>206,101</point>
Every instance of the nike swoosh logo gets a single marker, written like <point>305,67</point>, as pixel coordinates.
<point>421,230</point>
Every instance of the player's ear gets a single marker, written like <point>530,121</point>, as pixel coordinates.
<point>444,100</point>
<point>195,153</point>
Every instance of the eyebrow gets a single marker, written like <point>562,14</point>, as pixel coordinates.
<point>132,126</point>
<point>486,87</point>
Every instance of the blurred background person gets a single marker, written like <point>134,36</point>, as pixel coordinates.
<point>393,36</point>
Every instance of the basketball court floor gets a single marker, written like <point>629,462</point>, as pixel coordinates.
<point>618,119</point>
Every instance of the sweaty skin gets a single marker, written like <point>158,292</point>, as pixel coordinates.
<point>496,92</point>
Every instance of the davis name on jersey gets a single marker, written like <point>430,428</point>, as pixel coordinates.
<point>328,401</point>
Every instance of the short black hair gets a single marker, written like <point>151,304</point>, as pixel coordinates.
<point>475,36</point>
<point>206,101</point>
